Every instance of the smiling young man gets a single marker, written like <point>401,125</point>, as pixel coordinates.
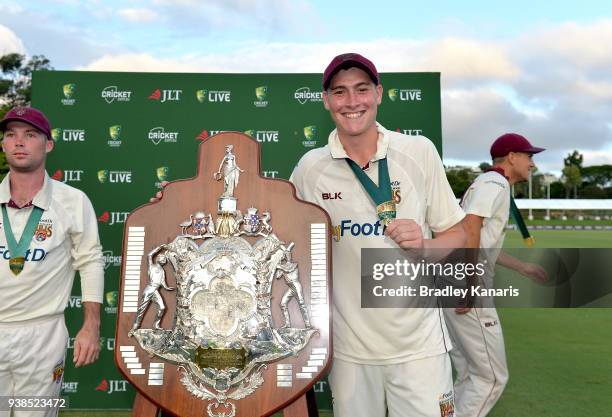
<point>386,360</point>
<point>479,354</point>
<point>48,231</point>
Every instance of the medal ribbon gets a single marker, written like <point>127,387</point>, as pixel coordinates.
<point>381,195</point>
<point>520,223</point>
<point>18,250</point>
<point>516,214</point>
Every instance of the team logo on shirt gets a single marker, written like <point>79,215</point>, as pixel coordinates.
<point>396,192</point>
<point>58,372</point>
<point>447,404</point>
<point>44,230</point>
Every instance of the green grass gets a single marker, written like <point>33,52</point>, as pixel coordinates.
<point>555,222</point>
<point>559,361</point>
<point>562,239</point>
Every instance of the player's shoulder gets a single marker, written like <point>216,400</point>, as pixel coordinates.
<point>410,144</point>
<point>313,158</point>
<point>66,194</point>
<point>492,179</point>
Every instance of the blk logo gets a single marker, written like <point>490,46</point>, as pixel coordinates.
<point>332,196</point>
<point>166,95</point>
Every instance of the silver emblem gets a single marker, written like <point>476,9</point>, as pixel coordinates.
<point>223,336</point>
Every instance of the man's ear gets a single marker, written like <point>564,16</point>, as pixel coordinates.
<point>49,145</point>
<point>325,100</point>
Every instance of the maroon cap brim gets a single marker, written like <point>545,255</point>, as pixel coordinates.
<point>534,150</point>
<point>6,121</point>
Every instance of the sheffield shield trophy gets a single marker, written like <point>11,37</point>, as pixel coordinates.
<point>225,301</point>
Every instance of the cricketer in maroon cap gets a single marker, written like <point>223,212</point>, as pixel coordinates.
<point>512,154</point>
<point>387,362</point>
<point>479,353</point>
<point>49,231</point>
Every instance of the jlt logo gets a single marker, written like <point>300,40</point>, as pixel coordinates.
<point>113,385</point>
<point>320,386</point>
<point>114,217</point>
<point>166,95</point>
<point>72,175</point>
<point>67,175</point>
<point>206,133</point>
<point>270,174</point>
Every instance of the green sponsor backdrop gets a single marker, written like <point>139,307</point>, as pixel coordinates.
<point>118,135</point>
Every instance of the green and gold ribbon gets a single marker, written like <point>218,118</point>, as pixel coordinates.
<point>18,250</point>
<point>380,194</point>
<point>520,223</point>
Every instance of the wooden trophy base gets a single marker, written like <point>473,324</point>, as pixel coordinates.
<point>304,406</point>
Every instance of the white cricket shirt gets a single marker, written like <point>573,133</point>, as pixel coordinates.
<point>66,240</point>
<point>489,198</point>
<point>381,335</point>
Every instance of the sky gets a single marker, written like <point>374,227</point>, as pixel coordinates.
<point>541,69</point>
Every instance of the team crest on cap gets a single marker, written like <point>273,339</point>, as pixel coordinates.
<point>58,372</point>
<point>20,111</point>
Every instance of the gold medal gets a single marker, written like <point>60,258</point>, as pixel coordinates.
<point>386,212</point>
<point>16,264</point>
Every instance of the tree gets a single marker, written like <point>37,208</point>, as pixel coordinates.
<point>597,175</point>
<point>460,180</point>
<point>572,179</point>
<point>572,176</point>
<point>484,166</point>
<point>574,158</point>
<point>16,80</point>
<point>16,86</point>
